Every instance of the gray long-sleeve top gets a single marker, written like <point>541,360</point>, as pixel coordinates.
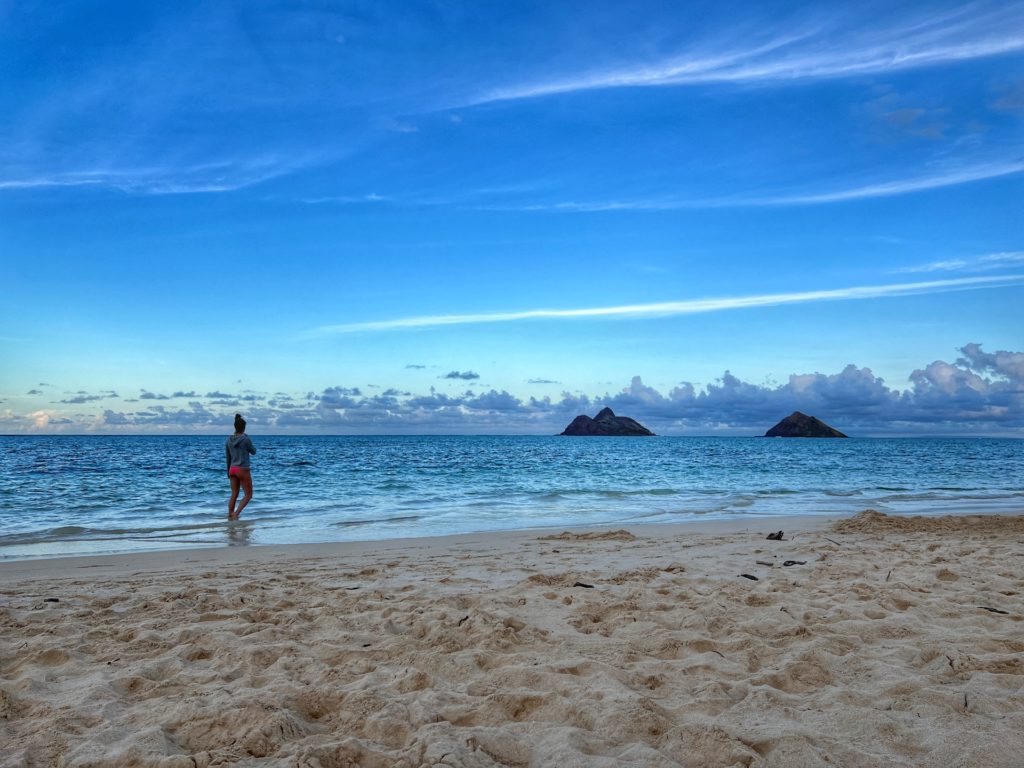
<point>239,447</point>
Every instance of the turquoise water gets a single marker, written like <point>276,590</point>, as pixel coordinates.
<point>80,495</point>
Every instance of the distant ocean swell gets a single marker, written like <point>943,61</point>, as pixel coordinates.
<point>81,495</point>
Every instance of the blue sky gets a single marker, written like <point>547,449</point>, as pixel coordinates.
<point>487,218</point>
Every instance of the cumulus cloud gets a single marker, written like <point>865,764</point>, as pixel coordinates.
<point>334,398</point>
<point>82,398</point>
<point>115,419</point>
<point>464,375</point>
<point>163,418</point>
<point>494,401</point>
<point>34,421</point>
<point>1009,365</point>
<point>234,401</point>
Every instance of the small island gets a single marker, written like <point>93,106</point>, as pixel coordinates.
<point>606,424</point>
<point>801,425</point>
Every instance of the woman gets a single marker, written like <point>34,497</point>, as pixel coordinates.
<point>238,449</point>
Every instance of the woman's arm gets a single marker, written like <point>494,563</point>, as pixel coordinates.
<point>250,446</point>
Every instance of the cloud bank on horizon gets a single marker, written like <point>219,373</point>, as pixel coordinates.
<point>982,391</point>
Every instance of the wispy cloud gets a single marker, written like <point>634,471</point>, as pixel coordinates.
<point>816,52</point>
<point>346,199</point>
<point>976,264</point>
<point>892,188</point>
<point>899,187</point>
<point>670,308</point>
<point>48,181</point>
<point>214,176</point>
<point>939,178</point>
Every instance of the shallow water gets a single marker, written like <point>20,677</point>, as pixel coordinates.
<point>79,495</point>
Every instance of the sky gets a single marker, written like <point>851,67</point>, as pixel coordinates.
<point>487,218</point>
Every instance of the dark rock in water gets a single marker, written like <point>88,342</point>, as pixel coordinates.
<point>801,425</point>
<point>606,424</point>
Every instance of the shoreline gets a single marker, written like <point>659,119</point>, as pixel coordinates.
<point>168,559</point>
<point>871,640</point>
<point>262,552</point>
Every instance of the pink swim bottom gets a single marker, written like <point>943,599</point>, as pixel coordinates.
<point>238,471</point>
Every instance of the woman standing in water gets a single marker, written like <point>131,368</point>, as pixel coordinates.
<point>238,449</point>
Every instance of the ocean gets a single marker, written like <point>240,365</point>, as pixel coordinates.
<point>98,494</point>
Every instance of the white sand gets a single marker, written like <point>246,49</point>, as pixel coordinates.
<point>480,651</point>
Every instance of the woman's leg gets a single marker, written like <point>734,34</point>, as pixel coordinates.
<point>246,479</point>
<point>235,485</point>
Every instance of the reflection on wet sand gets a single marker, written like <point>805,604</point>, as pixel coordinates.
<point>239,533</point>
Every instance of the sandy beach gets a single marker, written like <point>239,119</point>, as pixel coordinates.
<point>884,642</point>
